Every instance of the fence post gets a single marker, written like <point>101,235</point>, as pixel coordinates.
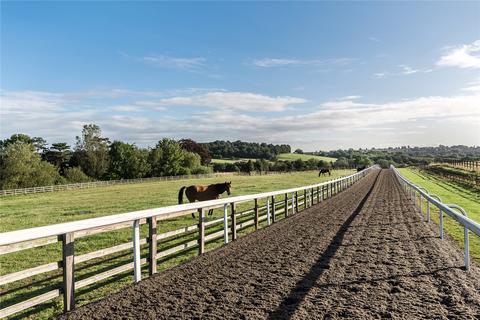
<point>286,205</point>
<point>234,221</point>
<point>305,203</point>
<point>318,194</point>
<point>225,223</point>
<point>441,223</point>
<point>268,211</point>
<point>311,197</point>
<point>428,210</point>
<point>201,231</point>
<point>137,271</point>
<point>296,201</point>
<point>256,214</point>
<point>68,266</point>
<point>273,209</point>
<point>420,196</point>
<point>466,243</point>
<point>152,245</point>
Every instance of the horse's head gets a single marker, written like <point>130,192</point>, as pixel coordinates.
<point>228,185</point>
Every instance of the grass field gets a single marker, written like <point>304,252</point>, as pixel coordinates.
<point>282,156</point>
<point>18,212</point>
<point>304,157</point>
<point>230,160</point>
<point>450,192</point>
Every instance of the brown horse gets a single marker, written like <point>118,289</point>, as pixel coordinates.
<point>324,171</point>
<point>203,193</point>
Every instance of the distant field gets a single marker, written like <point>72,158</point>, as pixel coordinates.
<point>230,160</point>
<point>283,156</point>
<point>295,156</point>
<point>450,192</point>
<point>26,211</point>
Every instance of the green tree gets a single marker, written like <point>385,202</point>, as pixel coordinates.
<point>38,142</point>
<point>298,165</point>
<point>385,164</point>
<point>76,175</point>
<point>91,152</point>
<point>127,161</point>
<point>22,167</point>
<point>166,158</point>
<point>192,146</point>
<point>191,160</point>
<point>59,155</point>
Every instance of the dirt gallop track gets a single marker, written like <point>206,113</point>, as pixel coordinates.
<point>365,253</point>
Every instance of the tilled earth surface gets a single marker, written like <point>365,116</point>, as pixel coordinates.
<point>363,254</point>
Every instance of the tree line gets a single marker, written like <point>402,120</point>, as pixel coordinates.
<point>406,155</point>
<point>29,162</point>
<point>239,149</point>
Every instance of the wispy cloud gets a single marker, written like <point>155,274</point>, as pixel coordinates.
<point>243,101</point>
<point>288,62</point>
<point>464,56</point>
<point>374,39</point>
<point>406,70</point>
<point>164,61</point>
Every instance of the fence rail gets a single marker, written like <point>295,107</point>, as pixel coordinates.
<point>94,184</point>
<point>456,212</point>
<point>66,233</point>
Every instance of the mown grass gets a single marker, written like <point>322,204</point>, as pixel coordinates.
<point>19,212</point>
<point>450,192</point>
<point>304,157</point>
<point>231,160</point>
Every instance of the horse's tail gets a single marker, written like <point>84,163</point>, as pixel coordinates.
<point>180,195</point>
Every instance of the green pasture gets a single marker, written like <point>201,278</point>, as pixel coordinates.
<point>450,192</point>
<point>26,211</point>
<point>230,160</point>
<point>304,157</point>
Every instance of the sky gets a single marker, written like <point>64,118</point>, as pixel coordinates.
<point>315,75</point>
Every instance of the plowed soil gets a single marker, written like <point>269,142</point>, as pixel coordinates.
<point>363,254</point>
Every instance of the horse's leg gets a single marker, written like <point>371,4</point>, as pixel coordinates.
<point>210,212</point>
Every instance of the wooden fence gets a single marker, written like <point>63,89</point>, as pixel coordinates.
<point>278,204</point>
<point>467,165</point>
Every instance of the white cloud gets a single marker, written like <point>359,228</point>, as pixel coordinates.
<point>374,39</point>
<point>350,98</point>
<point>464,56</point>
<point>406,70</point>
<point>284,62</point>
<point>243,101</point>
<point>473,86</point>
<point>350,121</point>
<point>163,61</point>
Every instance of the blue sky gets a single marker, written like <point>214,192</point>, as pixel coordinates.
<point>314,75</point>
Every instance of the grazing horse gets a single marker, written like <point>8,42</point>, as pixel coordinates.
<point>203,193</point>
<point>361,168</point>
<point>324,171</point>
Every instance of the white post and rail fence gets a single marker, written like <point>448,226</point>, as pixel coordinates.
<point>454,211</point>
<point>278,204</point>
